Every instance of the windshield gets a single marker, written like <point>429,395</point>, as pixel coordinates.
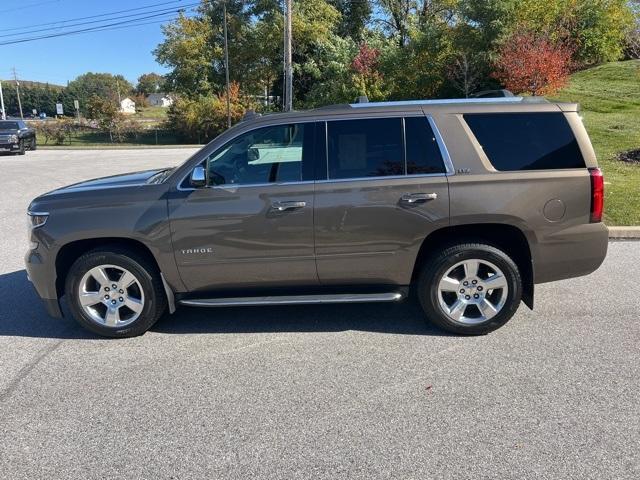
<point>9,126</point>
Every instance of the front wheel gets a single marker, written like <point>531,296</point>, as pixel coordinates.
<point>115,292</point>
<point>21,147</point>
<point>34,145</point>
<point>470,289</point>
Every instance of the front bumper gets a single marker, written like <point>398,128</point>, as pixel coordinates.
<point>12,147</point>
<point>42,275</point>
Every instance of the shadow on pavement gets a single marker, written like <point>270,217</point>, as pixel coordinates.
<point>22,314</point>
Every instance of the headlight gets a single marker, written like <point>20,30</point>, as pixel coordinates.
<point>37,219</point>
<point>13,139</point>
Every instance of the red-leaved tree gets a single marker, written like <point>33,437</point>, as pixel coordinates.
<point>533,64</point>
<point>366,77</point>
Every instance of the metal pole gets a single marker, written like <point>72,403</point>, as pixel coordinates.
<point>288,71</point>
<point>15,77</point>
<point>4,115</point>
<point>226,62</point>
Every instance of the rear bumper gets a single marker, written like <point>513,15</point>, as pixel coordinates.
<point>43,278</point>
<point>571,252</point>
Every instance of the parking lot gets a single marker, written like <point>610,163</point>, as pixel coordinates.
<point>333,391</point>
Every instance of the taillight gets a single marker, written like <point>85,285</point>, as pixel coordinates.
<point>597,194</point>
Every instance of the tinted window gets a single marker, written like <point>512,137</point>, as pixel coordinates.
<point>526,141</point>
<point>264,155</point>
<point>365,148</point>
<point>423,153</point>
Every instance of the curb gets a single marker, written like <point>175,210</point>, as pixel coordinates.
<point>624,233</point>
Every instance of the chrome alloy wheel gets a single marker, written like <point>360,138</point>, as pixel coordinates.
<point>111,296</point>
<point>472,291</point>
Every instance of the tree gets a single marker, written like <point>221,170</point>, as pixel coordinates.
<point>355,16</point>
<point>149,83</point>
<point>399,13</point>
<point>202,119</point>
<point>532,64</point>
<point>367,77</point>
<point>106,113</point>
<point>594,29</point>
<point>103,85</point>
<point>466,72</point>
<point>633,35</point>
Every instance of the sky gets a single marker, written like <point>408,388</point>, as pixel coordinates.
<point>126,51</point>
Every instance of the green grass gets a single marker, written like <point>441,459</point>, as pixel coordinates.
<point>610,99</point>
<point>158,113</point>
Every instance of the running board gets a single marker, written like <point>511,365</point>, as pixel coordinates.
<point>293,300</point>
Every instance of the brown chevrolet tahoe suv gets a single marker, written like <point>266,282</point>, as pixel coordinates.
<point>466,204</point>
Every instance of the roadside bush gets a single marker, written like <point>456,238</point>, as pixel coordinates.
<point>203,118</point>
<point>56,131</point>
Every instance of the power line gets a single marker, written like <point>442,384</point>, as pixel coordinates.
<point>84,30</point>
<point>31,5</point>
<point>168,10</point>
<point>92,16</point>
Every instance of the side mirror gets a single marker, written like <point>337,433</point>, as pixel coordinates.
<point>198,177</point>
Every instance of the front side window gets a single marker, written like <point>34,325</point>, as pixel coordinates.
<point>365,148</point>
<point>526,141</point>
<point>265,155</point>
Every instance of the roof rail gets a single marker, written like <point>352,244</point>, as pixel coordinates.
<point>493,94</point>
<point>449,101</point>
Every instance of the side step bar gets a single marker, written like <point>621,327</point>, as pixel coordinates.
<point>293,300</point>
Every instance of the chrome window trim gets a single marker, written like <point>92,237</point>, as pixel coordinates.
<point>444,152</point>
<point>446,158</point>
<point>233,186</point>
<point>388,177</point>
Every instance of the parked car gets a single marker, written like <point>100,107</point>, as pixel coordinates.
<point>465,203</point>
<point>16,136</point>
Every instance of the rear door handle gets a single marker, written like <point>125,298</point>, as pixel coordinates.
<point>290,205</point>
<point>418,197</point>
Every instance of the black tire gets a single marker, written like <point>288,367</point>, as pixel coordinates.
<point>437,265</point>
<point>21,148</point>
<point>34,145</point>
<point>145,272</point>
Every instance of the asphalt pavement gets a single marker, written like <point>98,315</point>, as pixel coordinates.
<point>313,392</point>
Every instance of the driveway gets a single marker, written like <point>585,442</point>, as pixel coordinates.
<point>321,392</point>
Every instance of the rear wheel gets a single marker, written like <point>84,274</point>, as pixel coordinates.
<point>470,289</point>
<point>115,293</point>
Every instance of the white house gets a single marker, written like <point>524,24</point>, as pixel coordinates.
<point>127,106</point>
<point>160,100</point>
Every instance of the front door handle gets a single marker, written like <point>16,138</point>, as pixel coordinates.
<point>285,206</point>
<point>418,197</point>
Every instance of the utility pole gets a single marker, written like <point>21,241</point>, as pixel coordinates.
<point>15,77</point>
<point>226,62</point>
<point>288,71</point>
<point>118,88</point>
<point>4,115</point>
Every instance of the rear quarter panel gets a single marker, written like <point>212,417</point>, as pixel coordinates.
<point>551,207</point>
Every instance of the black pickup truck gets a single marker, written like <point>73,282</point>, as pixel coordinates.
<point>16,136</point>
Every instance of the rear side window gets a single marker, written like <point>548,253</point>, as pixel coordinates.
<point>526,141</point>
<point>423,153</point>
<point>365,148</point>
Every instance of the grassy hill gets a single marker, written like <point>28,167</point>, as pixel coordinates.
<point>610,98</point>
